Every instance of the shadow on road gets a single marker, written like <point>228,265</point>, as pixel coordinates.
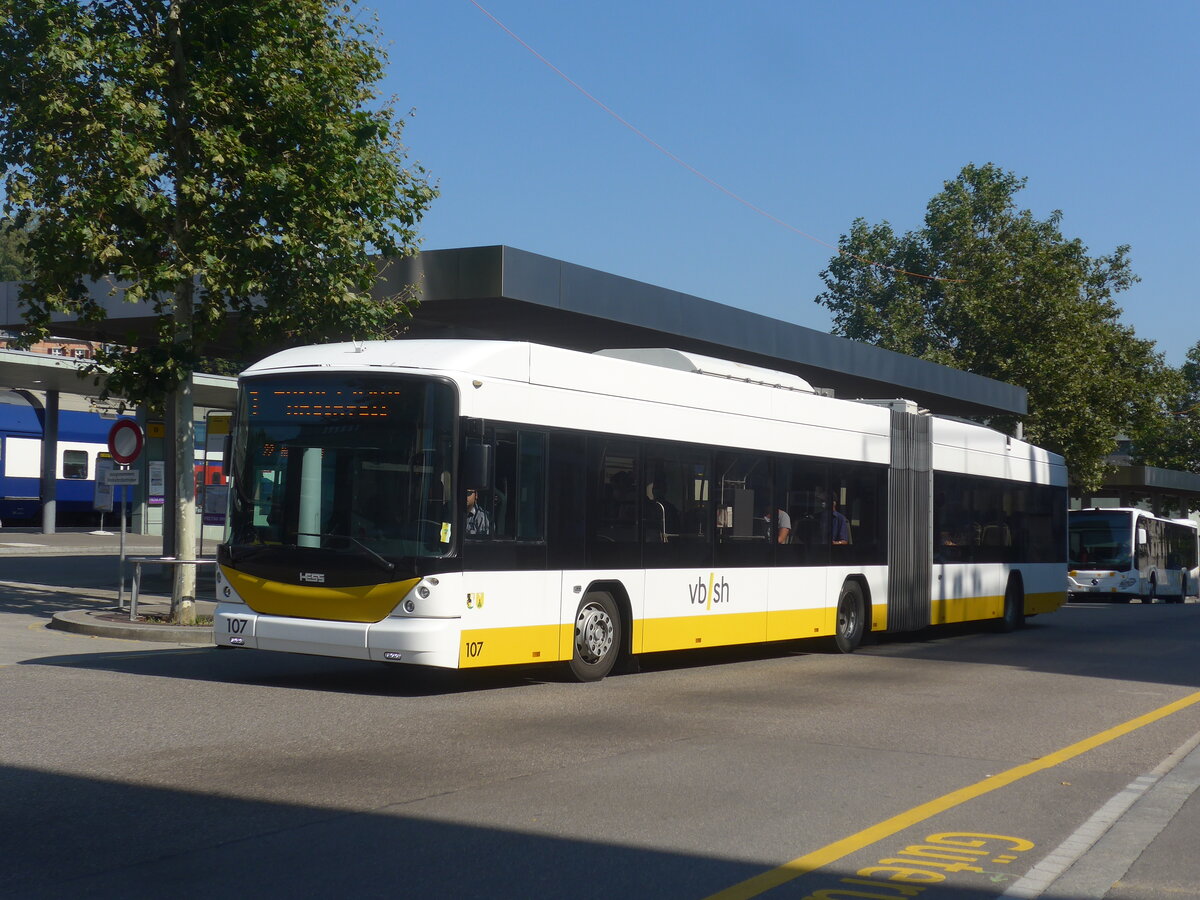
<point>1152,644</point>
<point>76,836</point>
<point>1155,644</point>
<point>310,673</point>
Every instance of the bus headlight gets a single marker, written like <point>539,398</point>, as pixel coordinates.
<point>409,606</point>
<point>422,592</point>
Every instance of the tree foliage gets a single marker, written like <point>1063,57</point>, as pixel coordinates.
<point>207,156</point>
<point>1172,441</point>
<point>1005,295</point>
<point>13,263</point>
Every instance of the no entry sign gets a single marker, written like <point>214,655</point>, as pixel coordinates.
<point>125,440</point>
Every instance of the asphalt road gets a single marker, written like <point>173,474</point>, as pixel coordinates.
<point>961,759</point>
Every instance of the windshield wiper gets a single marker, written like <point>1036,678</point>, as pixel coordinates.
<point>367,551</point>
<point>242,552</point>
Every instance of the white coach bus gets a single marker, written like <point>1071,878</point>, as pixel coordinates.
<point>476,503</point>
<point>1121,553</point>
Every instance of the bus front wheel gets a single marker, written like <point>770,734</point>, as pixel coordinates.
<point>597,637</point>
<point>851,618</point>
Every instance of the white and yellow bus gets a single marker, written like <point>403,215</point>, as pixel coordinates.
<point>1122,553</point>
<point>462,503</point>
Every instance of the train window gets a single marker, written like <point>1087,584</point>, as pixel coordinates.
<point>75,464</point>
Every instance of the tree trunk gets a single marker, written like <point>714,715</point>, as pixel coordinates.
<point>183,595</point>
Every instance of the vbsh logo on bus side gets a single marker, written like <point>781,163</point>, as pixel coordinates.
<point>707,594</point>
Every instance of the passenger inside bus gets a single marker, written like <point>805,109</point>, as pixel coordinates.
<point>835,527</point>
<point>839,525</point>
<point>779,525</point>
<point>477,521</point>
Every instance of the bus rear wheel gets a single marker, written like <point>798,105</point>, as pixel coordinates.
<point>1014,607</point>
<point>851,618</point>
<point>1183,586</point>
<point>597,637</point>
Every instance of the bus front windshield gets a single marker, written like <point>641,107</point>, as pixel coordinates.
<point>344,462</point>
<point>1101,541</point>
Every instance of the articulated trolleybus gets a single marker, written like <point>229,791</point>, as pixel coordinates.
<point>477,503</point>
<point>1121,554</point>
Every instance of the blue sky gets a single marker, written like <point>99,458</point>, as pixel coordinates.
<point>817,112</point>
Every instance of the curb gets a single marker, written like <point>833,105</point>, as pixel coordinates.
<point>102,623</point>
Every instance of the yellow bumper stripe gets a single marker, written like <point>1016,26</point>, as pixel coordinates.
<point>369,603</point>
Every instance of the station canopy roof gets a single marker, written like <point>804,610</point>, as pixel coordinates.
<point>503,293</point>
<point>39,372</point>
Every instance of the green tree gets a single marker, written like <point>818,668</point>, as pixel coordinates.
<point>990,289</point>
<point>13,263</point>
<point>1172,441</point>
<point>214,156</point>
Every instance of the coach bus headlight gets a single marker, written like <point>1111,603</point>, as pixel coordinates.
<point>409,606</point>
<point>422,592</point>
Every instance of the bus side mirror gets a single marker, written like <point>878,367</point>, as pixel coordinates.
<point>226,449</point>
<point>477,465</point>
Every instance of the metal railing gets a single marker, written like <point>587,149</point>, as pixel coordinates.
<point>170,561</point>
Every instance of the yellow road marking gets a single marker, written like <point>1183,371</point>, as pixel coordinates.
<point>810,862</point>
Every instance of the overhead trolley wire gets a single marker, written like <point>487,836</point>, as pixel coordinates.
<point>686,165</point>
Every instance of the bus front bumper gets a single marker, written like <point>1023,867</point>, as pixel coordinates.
<point>417,641</point>
<point>1081,582</point>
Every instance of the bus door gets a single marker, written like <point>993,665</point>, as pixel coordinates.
<point>511,596</point>
<point>612,534</point>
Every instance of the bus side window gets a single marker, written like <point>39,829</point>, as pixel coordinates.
<point>531,486</point>
<point>675,504</point>
<point>856,514</point>
<point>744,512</point>
<point>500,501</point>
<point>748,523</point>
<point>515,503</point>
<point>799,491</point>
<point>615,520</point>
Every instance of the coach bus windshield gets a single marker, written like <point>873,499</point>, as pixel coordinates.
<point>1100,540</point>
<point>356,464</point>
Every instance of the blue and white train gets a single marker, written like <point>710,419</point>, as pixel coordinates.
<point>82,436</point>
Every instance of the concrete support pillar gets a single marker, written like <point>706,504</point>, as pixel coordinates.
<point>49,486</point>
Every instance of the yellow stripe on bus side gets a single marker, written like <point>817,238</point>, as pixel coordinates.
<point>974,609</point>
<point>965,609</point>
<point>510,646</point>
<point>1044,603</point>
<point>787,624</point>
<point>686,632</point>
<point>548,643</point>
